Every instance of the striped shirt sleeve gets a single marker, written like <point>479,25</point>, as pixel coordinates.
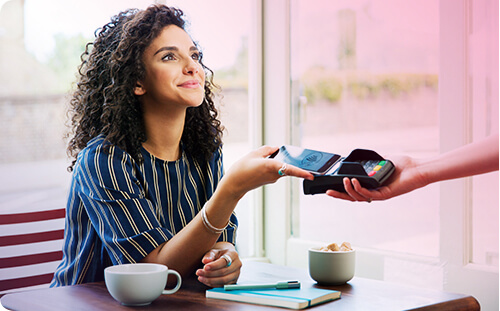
<point>112,195</point>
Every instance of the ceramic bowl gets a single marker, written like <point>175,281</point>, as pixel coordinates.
<point>331,268</point>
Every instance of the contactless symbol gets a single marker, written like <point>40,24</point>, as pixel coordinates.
<point>311,159</point>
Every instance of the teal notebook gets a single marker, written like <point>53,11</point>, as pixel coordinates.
<point>286,298</point>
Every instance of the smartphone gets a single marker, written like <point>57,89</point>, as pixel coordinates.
<point>316,162</point>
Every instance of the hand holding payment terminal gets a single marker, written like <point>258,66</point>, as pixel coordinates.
<point>367,166</point>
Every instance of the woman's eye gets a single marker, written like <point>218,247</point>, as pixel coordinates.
<point>169,56</point>
<point>196,56</point>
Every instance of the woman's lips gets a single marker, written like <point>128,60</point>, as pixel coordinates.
<point>191,84</point>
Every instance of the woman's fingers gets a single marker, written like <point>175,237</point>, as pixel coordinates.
<point>339,195</point>
<point>221,267</point>
<point>354,192</point>
<point>219,276</point>
<point>290,170</point>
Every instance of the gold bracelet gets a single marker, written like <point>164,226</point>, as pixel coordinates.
<point>208,225</point>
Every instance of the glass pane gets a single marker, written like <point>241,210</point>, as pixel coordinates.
<point>38,61</point>
<point>483,66</point>
<point>365,75</point>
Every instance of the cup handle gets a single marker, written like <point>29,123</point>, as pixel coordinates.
<point>179,282</point>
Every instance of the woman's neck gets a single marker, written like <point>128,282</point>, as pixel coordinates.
<point>164,134</point>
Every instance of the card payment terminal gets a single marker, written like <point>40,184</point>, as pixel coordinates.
<point>367,166</point>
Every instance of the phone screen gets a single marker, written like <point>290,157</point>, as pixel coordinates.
<point>311,160</point>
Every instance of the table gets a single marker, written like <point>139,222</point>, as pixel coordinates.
<point>358,294</point>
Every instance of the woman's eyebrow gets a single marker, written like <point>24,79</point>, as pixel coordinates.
<point>174,48</point>
<point>167,48</point>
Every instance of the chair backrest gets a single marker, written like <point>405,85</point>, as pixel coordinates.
<point>30,248</point>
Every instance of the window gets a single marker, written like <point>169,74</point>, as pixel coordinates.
<point>441,77</point>
<point>372,84</point>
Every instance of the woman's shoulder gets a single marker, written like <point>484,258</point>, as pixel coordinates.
<point>101,164</point>
<point>215,160</point>
<point>99,149</point>
<point>96,142</point>
<point>218,151</point>
<point>216,155</point>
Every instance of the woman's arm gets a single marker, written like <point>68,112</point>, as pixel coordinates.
<point>472,159</point>
<point>184,251</point>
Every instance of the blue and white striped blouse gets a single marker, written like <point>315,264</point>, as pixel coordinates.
<point>118,210</point>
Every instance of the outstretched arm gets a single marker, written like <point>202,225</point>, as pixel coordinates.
<point>410,174</point>
<point>195,242</point>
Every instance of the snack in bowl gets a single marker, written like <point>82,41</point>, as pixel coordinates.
<point>332,264</point>
<point>344,247</point>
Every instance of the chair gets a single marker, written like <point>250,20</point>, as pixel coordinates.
<point>30,248</point>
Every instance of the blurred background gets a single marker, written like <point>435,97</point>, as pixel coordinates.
<point>359,74</point>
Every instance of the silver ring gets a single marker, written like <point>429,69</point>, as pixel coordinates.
<point>281,171</point>
<point>228,259</point>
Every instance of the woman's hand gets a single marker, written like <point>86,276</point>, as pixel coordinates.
<point>406,177</point>
<point>255,170</point>
<point>216,272</point>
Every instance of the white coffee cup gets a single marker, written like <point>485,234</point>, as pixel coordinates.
<point>139,284</point>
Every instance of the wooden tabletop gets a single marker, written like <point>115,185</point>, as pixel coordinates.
<point>358,294</point>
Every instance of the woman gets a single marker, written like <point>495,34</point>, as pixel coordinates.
<point>147,181</point>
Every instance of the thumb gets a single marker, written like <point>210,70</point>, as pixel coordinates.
<point>265,151</point>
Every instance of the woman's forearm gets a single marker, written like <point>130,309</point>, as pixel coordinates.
<point>183,252</point>
<point>472,159</point>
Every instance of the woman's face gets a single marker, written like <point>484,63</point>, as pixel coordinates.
<point>174,75</point>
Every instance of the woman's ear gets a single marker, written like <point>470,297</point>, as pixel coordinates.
<point>139,89</point>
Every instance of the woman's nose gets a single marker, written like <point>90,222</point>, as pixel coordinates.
<point>191,67</point>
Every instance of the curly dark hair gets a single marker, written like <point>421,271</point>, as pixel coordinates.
<point>104,101</point>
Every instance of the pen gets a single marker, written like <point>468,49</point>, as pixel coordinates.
<point>279,285</point>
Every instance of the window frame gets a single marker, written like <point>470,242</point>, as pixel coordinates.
<point>462,275</point>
